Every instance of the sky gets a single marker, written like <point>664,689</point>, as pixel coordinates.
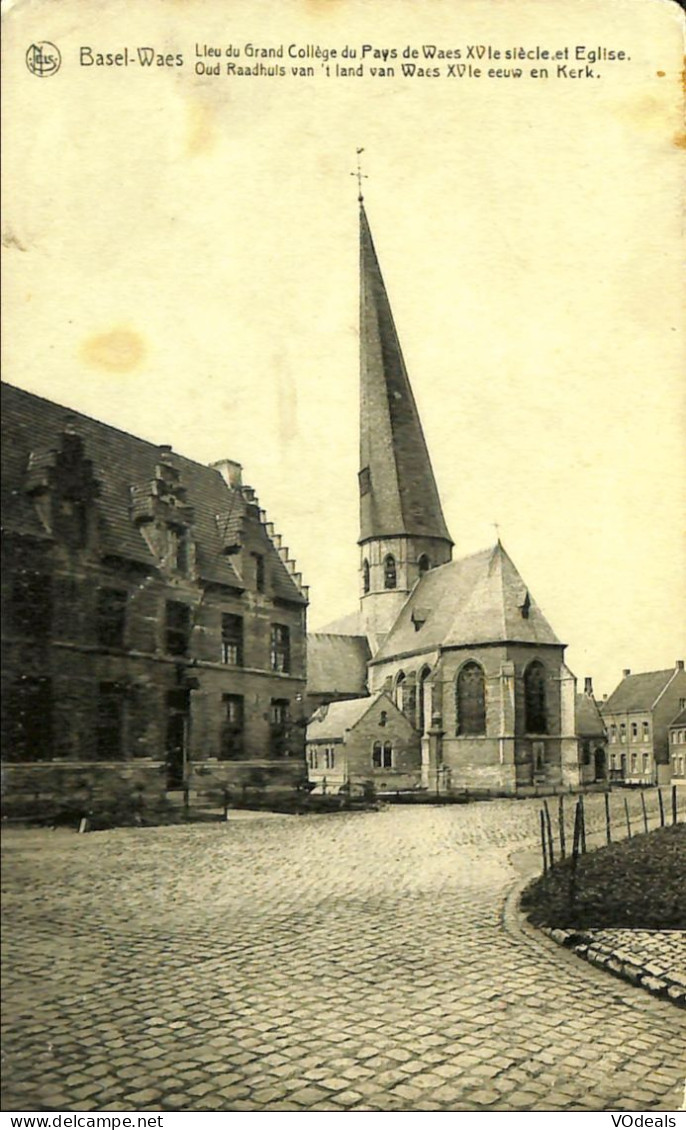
<point>181,261</point>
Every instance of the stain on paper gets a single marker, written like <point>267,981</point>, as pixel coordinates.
<point>119,350</point>
<point>202,130</point>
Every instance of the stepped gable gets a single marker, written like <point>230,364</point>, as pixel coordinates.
<point>123,467</point>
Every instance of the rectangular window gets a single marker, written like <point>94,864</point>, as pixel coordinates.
<point>613,733</point>
<point>111,617</point>
<point>232,639</point>
<point>279,719</point>
<point>634,731</point>
<point>31,610</point>
<point>260,577</point>
<point>280,648</point>
<point>382,755</point>
<point>646,732</point>
<point>29,717</point>
<point>622,732</point>
<point>312,759</point>
<point>178,629</point>
<point>646,762</point>
<point>110,722</point>
<point>233,729</point>
<point>634,762</point>
<point>330,757</point>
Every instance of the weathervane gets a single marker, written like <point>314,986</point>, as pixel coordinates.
<point>360,176</point>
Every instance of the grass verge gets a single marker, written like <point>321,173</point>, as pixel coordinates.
<point>636,884</point>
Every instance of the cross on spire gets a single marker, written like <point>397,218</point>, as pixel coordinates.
<point>360,176</point>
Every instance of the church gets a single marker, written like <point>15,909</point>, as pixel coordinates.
<point>459,645</point>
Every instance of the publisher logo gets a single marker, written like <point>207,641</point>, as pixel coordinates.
<point>43,59</point>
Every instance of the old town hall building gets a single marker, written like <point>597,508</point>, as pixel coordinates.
<point>460,645</point>
<point>153,624</point>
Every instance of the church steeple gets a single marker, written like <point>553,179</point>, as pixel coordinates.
<point>402,528</point>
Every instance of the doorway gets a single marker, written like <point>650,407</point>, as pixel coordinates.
<point>177,738</point>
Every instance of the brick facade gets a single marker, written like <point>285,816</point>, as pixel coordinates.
<point>637,716</point>
<point>153,630</point>
<point>504,756</point>
<point>363,742</point>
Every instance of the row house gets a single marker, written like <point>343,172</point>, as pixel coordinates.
<point>153,625</point>
<point>637,716</point>
<point>677,747</point>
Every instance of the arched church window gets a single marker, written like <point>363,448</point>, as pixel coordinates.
<point>365,575</point>
<point>471,700</point>
<point>390,579</point>
<point>399,693</point>
<point>423,564</point>
<point>535,699</point>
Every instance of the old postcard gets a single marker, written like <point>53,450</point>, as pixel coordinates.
<point>344,479</point>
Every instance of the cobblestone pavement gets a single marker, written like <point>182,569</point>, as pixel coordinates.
<point>361,961</point>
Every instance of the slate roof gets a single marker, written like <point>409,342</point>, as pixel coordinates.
<point>637,692</point>
<point>402,497</point>
<point>680,719</point>
<point>337,664</point>
<point>589,720</point>
<point>331,722</point>
<point>34,426</point>
<point>473,600</point>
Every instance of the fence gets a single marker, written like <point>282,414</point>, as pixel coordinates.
<point>616,825</point>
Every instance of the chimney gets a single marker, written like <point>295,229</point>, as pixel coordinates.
<point>679,664</point>
<point>588,685</point>
<point>230,471</point>
<point>626,672</point>
<point>164,448</point>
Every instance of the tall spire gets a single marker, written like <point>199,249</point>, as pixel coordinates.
<point>398,493</point>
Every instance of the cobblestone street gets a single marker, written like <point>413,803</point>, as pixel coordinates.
<point>362,961</point>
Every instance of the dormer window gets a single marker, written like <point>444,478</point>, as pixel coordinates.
<point>525,606</point>
<point>62,486</point>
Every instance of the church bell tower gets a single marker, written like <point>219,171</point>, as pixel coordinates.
<point>402,529</point>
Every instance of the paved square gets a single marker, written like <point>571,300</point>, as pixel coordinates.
<point>351,962</point>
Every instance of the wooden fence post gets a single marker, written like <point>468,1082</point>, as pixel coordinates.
<point>582,825</point>
<point>674,804</point>
<point>628,821</point>
<point>543,847</point>
<point>549,829</point>
<point>662,807</point>
<point>575,855</point>
<point>608,823</point>
<point>645,814</point>
<point>561,826</point>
